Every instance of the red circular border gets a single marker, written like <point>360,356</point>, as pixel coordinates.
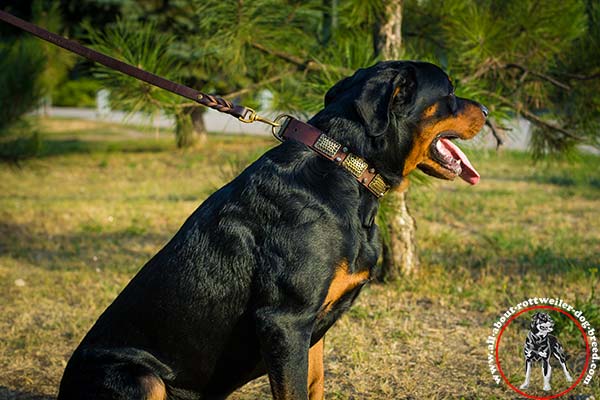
<point>587,354</point>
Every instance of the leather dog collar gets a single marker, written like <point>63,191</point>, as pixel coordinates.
<point>302,132</point>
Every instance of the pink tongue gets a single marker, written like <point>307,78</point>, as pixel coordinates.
<point>468,174</point>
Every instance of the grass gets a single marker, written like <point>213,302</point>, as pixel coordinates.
<point>79,221</point>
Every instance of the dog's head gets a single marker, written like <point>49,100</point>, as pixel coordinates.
<point>542,324</point>
<point>402,115</point>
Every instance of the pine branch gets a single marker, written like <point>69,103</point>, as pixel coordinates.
<point>301,64</point>
<point>580,77</point>
<point>297,61</point>
<point>256,85</point>
<point>535,119</point>
<point>430,38</point>
<point>499,139</point>
<point>228,96</point>
<point>493,65</point>
<point>527,71</point>
<point>484,68</point>
<point>529,115</point>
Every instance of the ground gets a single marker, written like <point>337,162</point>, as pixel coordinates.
<point>79,221</point>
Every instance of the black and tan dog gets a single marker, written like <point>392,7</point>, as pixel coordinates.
<point>266,265</point>
<point>541,346</point>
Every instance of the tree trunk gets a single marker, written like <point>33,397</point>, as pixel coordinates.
<point>400,253</point>
<point>198,126</point>
<point>190,128</point>
<point>388,39</point>
<point>184,131</point>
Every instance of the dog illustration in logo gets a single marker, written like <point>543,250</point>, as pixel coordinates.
<point>540,345</point>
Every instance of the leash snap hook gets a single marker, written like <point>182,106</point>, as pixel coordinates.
<point>251,116</point>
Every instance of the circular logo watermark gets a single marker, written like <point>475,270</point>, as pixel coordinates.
<point>543,348</point>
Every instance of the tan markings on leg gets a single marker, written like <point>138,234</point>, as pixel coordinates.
<point>343,281</point>
<point>403,185</point>
<point>153,387</point>
<point>316,374</point>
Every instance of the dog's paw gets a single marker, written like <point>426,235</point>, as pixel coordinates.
<point>525,385</point>
<point>547,387</point>
<point>568,378</point>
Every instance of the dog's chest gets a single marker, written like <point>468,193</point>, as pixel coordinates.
<point>342,286</point>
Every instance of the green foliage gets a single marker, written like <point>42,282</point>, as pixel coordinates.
<point>141,44</point>
<point>520,58</point>
<point>216,41</point>
<point>30,69</point>
<point>580,69</point>
<point>76,93</point>
<point>23,140</point>
<point>144,46</point>
<point>58,60</point>
<point>22,64</point>
<point>514,56</point>
<point>305,94</point>
<point>589,308</point>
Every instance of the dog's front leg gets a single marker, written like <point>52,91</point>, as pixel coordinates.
<point>547,371</point>
<point>285,339</point>
<point>560,357</point>
<point>525,384</point>
<point>566,371</point>
<point>316,375</point>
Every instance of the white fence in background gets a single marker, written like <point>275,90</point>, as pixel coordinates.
<point>517,138</point>
<point>214,120</point>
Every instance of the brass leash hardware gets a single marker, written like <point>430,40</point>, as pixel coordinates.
<point>252,116</point>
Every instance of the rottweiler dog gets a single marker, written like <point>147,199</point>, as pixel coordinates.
<point>541,346</point>
<point>264,267</point>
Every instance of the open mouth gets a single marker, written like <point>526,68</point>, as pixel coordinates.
<point>451,158</point>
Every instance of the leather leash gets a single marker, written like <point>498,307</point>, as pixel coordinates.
<point>283,127</point>
<point>244,114</point>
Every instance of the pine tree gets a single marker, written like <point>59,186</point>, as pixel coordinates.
<point>30,70</point>
<point>522,58</point>
<point>228,47</point>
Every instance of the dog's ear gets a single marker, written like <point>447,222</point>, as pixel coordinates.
<point>389,87</point>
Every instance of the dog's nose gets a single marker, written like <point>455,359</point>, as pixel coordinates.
<point>484,110</point>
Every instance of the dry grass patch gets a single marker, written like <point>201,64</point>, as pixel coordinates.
<point>77,223</point>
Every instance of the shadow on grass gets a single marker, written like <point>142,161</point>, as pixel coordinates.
<point>559,180</point>
<point>541,261</point>
<point>15,149</point>
<point>9,394</point>
<point>125,250</point>
<point>55,147</point>
<point>568,181</point>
